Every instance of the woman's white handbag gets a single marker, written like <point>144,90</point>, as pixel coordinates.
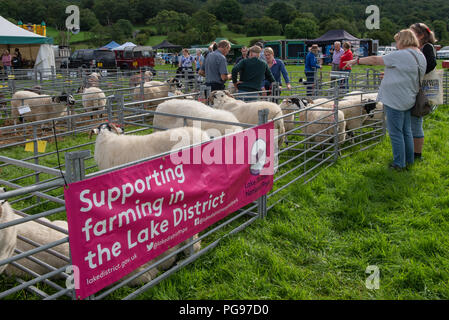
<point>432,86</point>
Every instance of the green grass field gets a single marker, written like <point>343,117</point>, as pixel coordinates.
<point>318,243</point>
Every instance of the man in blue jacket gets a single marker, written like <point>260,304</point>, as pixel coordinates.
<point>310,68</point>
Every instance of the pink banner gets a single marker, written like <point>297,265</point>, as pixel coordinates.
<point>121,220</point>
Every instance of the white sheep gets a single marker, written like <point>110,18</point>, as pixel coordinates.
<point>324,117</point>
<point>191,108</point>
<point>355,111</point>
<point>8,235</point>
<point>155,90</point>
<point>93,80</point>
<point>42,235</point>
<point>135,79</point>
<point>36,232</point>
<point>291,107</point>
<point>93,99</point>
<point>374,114</point>
<point>248,112</point>
<point>358,108</point>
<point>113,148</point>
<point>41,107</point>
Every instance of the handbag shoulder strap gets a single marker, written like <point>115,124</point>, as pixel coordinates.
<point>419,71</point>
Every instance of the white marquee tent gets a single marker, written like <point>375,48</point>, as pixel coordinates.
<point>33,47</point>
<point>125,45</point>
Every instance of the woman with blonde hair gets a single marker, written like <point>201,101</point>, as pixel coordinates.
<point>277,68</point>
<point>398,91</point>
<point>426,40</point>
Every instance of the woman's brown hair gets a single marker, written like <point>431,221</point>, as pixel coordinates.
<point>424,30</point>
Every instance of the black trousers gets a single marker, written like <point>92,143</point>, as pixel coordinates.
<point>215,86</point>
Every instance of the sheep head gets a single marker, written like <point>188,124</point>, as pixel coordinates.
<point>148,76</point>
<point>64,97</point>
<point>174,82</point>
<point>369,106</point>
<point>111,127</point>
<point>95,75</point>
<point>289,102</point>
<point>219,97</point>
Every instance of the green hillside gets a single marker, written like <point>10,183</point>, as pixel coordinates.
<point>187,22</point>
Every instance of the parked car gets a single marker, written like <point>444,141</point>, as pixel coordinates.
<point>133,58</point>
<point>85,58</point>
<point>443,53</point>
<point>382,50</point>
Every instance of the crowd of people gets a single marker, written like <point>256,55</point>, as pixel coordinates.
<point>253,73</point>
<point>257,69</point>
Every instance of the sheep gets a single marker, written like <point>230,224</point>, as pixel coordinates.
<point>324,117</point>
<point>358,108</point>
<point>291,109</point>
<point>93,80</point>
<point>113,149</point>
<point>93,99</point>
<point>355,111</point>
<point>135,79</point>
<point>42,106</point>
<point>36,89</point>
<point>8,235</point>
<point>11,238</point>
<point>155,90</point>
<point>248,112</point>
<point>375,114</point>
<point>42,235</point>
<point>196,109</point>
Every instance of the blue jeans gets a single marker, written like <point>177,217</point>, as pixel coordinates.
<point>400,131</point>
<point>345,82</point>
<point>310,75</point>
<point>417,129</point>
<point>248,96</point>
<point>7,70</point>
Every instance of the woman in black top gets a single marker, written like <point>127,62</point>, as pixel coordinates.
<point>426,40</point>
<point>17,59</point>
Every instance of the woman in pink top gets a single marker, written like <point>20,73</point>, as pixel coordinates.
<point>6,61</point>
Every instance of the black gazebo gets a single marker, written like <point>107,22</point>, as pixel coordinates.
<point>167,45</point>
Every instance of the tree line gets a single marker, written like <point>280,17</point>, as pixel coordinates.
<point>188,22</point>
